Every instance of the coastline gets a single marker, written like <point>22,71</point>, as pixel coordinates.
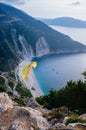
<point>30,82</point>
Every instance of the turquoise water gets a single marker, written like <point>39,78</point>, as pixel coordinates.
<point>53,71</point>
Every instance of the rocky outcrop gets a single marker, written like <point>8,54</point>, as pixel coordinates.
<point>78,126</point>
<point>83,116</point>
<point>60,126</point>
<point>5,102</point>
<point>19,118</point>
<point>32,103</point>
<point>34,117</point>
<point>42,47</point>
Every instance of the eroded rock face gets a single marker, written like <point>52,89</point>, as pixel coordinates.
<point>80,126</point>
<point>83,116</point>
<point>38,118</point>
<point>19,118</point>
<point>32,103</point>
<point>26,118</point>
<point>5,102</point>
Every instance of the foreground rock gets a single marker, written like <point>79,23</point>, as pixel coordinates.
<point>83,116</point>
<point>5,102</point>
<point>78,126</point>
<point>34,117</point>
<point>32,103</point>
<point>19,118</point>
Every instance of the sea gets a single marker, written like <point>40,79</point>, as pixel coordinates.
<point>54,71</point>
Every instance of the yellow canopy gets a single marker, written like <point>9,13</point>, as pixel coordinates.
<point>26,69</point>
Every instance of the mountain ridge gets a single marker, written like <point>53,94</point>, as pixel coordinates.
<point>23,36</point>
<point>65,22</point>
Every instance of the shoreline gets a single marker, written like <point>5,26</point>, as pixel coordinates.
<point>30,82</point>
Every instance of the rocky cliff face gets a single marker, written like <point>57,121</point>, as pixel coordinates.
<point>19,118</point>
<point>42,47</point>
<point>34,117</point>
<point>18,41</point>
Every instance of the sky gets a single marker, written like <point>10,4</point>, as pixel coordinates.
<point>51,8</point>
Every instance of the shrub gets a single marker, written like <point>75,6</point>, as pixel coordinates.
<point>71,96</point>
<point>75,120</point>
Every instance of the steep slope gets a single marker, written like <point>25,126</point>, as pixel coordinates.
<point>23,36</point>
<point>66,22</point>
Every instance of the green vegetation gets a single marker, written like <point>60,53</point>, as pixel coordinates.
<point>75,120</point>
<point>73,96</point>
<point>23,92</point>
<point>58,114</point>
<point>12,74</point>
<point>2,85</point>
<point>10,83</point>
<point>19,101</point>
<point>84,74</point>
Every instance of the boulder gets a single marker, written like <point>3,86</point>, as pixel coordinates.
<point>60,126</point>
<point>19,118</point>
<point>37,116</point>
<point>5,102</point>
<point>32,103</point>
<point>80,126</point>
<point>83,116</point>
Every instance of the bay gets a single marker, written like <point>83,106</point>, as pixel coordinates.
<point>54,71</point>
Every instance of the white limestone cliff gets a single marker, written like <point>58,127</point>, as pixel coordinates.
<point>42,47</point>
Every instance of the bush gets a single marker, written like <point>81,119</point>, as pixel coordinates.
<point>75,120</point>
<point>19,101</point>
<point>73,96</point>
<point>23,92</point>
<point>3,88</point>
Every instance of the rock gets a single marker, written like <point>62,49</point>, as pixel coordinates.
<point>20,118</point>
<point>83,116</point>
<point>17,118</point>
<point>5,102</point>
<point>32,103</point>
<point>14,117</point>
<point>38,118</point>
<point>53,121</point>
<point>60,126</point>
<point>80,126</point>
<point>65,120</point>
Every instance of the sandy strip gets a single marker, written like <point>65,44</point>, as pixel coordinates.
<point>30,82</point>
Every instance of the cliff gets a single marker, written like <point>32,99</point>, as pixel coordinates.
<point>14,117</point>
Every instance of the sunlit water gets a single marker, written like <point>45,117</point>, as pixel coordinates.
<point>54,71</point>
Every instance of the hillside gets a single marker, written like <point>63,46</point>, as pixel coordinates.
<point>66,22</point>
<point>23,36</point>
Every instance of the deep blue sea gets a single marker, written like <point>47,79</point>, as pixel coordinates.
<point>53,71</point>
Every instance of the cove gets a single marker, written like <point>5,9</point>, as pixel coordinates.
<point>54,71</point>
